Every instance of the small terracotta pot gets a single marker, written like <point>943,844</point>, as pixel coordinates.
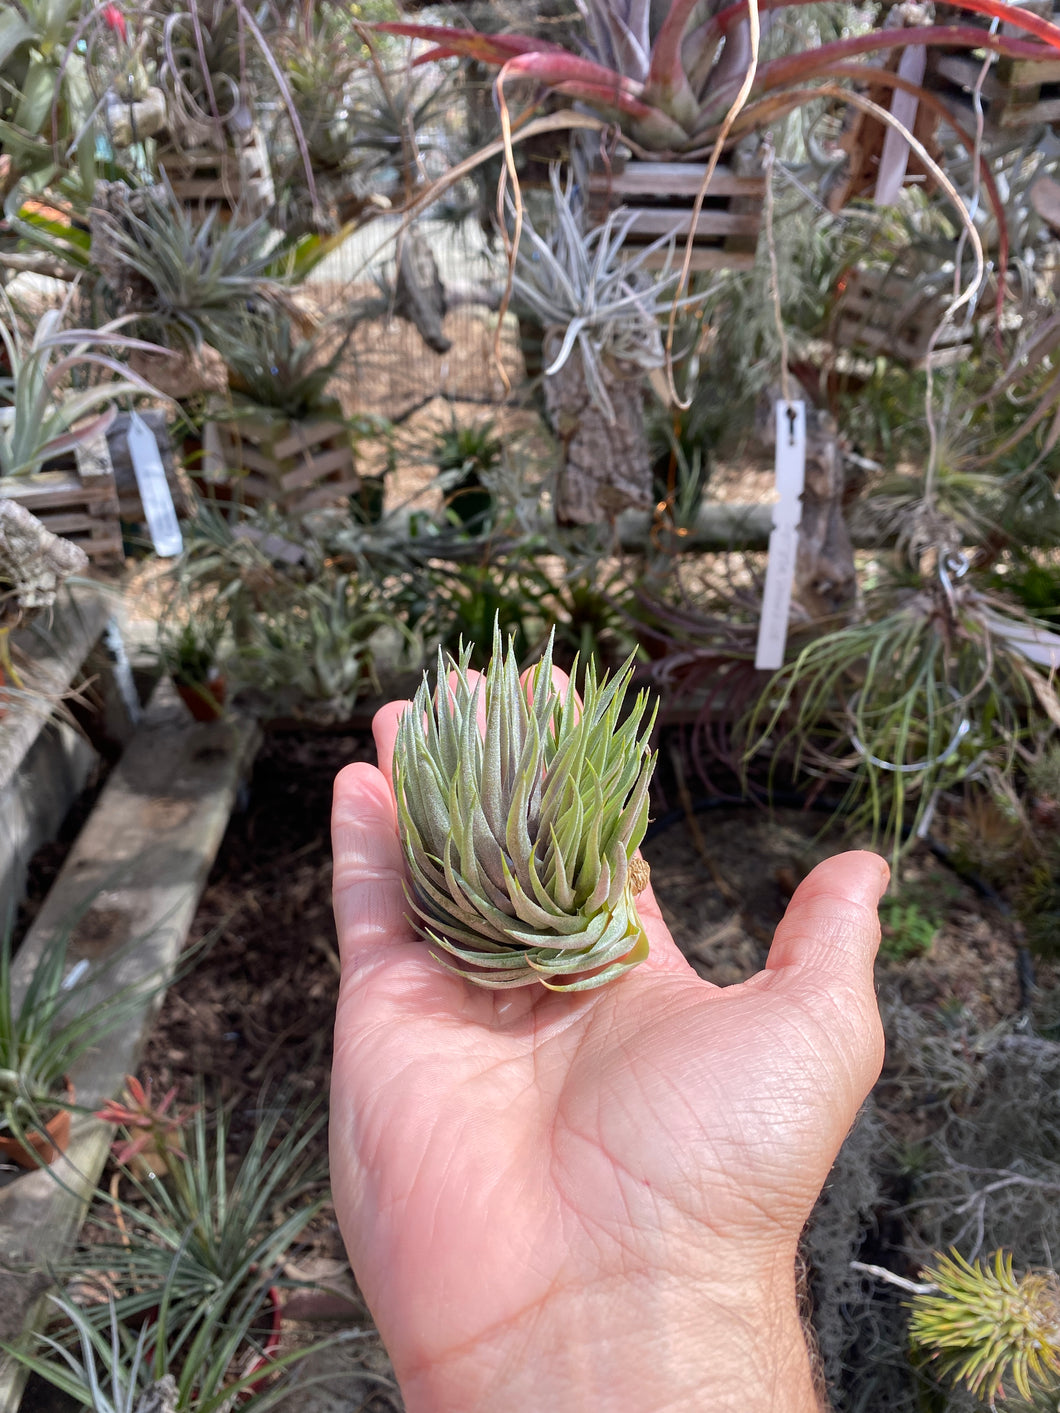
<point>41,1146</point>
<point>205,700</point>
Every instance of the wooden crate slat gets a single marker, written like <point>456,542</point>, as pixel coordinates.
<point>325,495</point>
<point>707,259</point>
<point>79,501</point>
<point>69,524</point>
<point>1025,73</point>
<point>257,487</point>
<point>659,197</point>
<point>305,436</point>
<point>664,220</point>
<point>312,471</point>
<point>242,455</point>
<point>323,464</point>
<point>237,179</point>
<point>1044,111</point>
<point>965,71</point>
<point>674,178</point>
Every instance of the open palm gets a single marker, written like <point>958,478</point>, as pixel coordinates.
<point>589,1201</point>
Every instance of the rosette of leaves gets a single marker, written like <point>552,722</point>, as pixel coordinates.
<point>520,836</point>
<point>982,1325</point>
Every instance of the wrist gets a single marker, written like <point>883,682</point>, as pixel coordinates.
<point>634,1345</point>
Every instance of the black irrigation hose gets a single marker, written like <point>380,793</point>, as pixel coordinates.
<point>794,799</point>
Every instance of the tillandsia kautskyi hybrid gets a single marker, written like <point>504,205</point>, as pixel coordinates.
<point>520,835</point>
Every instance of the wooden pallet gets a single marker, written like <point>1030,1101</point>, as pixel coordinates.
<point>296,466</point>
<point>236,181</point>
<point>660,196</point>
<point>75,497</point>
<point>882,312</point>
<point>1016,93</point>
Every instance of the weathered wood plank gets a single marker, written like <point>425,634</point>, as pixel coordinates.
<point>677,179</point>
<point>128,890</point>
<point>57,646</point>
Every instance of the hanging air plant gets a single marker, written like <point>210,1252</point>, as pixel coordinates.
<point>933,683</point>
<point>520,839</point>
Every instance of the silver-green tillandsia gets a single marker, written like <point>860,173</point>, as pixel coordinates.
<point>520,816</point>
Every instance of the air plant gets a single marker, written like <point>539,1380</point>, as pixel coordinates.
<point>598,298</point>
<point>41,415</point>
<point>464,455</point>
<point>189,276</point>
<point>668,74</point>
<point>309,651</point>
<point>198,1245</point>
<point>520,838</point>
<point>933,682</point>
<point>114,1370</point>
<point>982,1324</point>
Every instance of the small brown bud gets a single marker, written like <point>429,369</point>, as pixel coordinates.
<point>639,873</point>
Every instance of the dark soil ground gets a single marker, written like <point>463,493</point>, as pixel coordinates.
<point>258,1008</point>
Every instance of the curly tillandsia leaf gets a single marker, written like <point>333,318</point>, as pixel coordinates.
<point>985,1324</point>
<point>520,834</point>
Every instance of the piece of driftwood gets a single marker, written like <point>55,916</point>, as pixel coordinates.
<point>605,464</point>
<point>659,197</point>
<point>34,562</point>
<point>419,295</point>
<point>44,762</point>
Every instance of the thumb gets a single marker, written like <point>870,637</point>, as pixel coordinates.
<point>823,952</point>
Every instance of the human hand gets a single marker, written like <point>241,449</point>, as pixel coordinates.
<point>589,1202</point>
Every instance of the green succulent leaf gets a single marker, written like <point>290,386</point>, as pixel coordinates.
<point>519,815</point>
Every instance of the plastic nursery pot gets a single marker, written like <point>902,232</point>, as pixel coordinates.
<point>205,700</point>
<point>41,1146</point>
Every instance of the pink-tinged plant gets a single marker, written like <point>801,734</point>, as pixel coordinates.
<point>668,82</point>
<point>155,1128</point>
<point>114,19</point>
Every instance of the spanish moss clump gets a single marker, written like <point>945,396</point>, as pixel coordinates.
<point>520,837</point>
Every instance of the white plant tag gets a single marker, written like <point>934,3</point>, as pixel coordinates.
<point>784,539</point>
<point>154,488</point>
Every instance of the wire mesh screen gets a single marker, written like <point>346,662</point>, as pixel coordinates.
<point>391,371</point>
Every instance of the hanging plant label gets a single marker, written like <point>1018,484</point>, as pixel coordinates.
<point>154,488</point>
<point>784,538</point>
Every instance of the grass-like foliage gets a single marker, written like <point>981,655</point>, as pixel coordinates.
<point>519,836</point>
<point>201,1236</point>
<point>931,682</point>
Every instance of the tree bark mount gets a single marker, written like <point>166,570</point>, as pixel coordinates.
<point>605,465</point>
